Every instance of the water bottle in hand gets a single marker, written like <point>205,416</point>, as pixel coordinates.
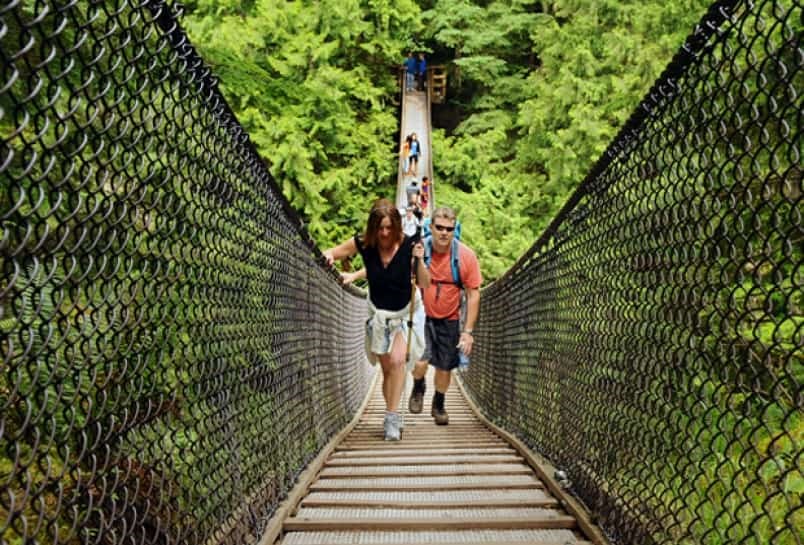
<point>463,360</point>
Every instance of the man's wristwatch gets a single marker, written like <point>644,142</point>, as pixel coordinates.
<point>469,331</point>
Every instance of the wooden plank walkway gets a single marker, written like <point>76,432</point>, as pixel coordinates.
<point>461,483</point>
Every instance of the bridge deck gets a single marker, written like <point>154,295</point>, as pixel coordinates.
<point>415,118</point>
<point>461,483</point>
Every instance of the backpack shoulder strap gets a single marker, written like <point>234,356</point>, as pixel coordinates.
<point>428,250</point>
<point>455,261</point>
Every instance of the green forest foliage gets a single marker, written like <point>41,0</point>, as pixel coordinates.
<point>314,85</point>
<point>537,90</point>
<point>545,87</point>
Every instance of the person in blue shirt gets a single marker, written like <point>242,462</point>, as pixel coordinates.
<point>421,71</point>
<point>410,71</point>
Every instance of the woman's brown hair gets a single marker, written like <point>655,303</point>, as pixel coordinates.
<point>382,208</point>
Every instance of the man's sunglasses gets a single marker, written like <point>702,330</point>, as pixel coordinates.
<point>444,228</point>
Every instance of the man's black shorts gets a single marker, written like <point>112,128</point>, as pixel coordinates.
<point>441,338</point>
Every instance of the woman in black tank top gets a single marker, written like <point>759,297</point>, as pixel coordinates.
<point>387,254</point>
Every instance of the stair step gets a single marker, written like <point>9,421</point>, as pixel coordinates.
<point>432,499</point>
<point>427,460</point>
<point>465,537</point>
<point>456,482</point>
<point>314,518</point>
<point>425,470</point>
<point>443,451</point>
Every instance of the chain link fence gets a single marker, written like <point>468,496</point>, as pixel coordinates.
<point>650,342</point>
<point>173,354</point>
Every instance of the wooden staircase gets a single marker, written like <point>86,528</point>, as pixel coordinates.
<point>461,483</point>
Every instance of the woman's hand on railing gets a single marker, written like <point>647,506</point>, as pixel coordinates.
<point>351,277</point>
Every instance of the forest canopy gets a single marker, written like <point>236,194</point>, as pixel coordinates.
<point>537,90</point>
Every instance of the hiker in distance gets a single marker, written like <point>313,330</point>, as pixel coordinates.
<point>453,267</point>
<point>388,255</point>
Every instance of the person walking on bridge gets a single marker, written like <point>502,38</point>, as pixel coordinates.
<point>444,338</point>
<point>424,197</point>
<point>412,192</point>
<point>404,154</point>
<point>411,66</point>
<point>421,71</point>
<point>414,153</point>
<point>388,255</point>
<point>410,223</point>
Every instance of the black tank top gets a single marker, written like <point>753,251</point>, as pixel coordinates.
<point>389,287</point>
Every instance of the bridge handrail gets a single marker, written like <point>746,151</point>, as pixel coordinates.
<point>401,194</point>
<point>430,151</point>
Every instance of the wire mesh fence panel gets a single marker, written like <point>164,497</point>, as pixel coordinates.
<point>173,353</point>
<point>650,343</point>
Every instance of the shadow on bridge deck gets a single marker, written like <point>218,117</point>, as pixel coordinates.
<point>466,483</point>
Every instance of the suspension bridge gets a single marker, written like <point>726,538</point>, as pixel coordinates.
<point>179,366</point>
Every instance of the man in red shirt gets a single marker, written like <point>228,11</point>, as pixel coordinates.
<point>444,337</point>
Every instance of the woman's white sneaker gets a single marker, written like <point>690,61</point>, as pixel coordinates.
<point>391,427</point>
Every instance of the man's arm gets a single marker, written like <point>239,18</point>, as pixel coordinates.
<point>472,310</point>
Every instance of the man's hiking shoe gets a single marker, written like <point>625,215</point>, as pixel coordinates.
<point>440,415</point>
<point>416,402</point>
<point>391,427</point>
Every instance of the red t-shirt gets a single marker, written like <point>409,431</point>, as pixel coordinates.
<point>443,298</point>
